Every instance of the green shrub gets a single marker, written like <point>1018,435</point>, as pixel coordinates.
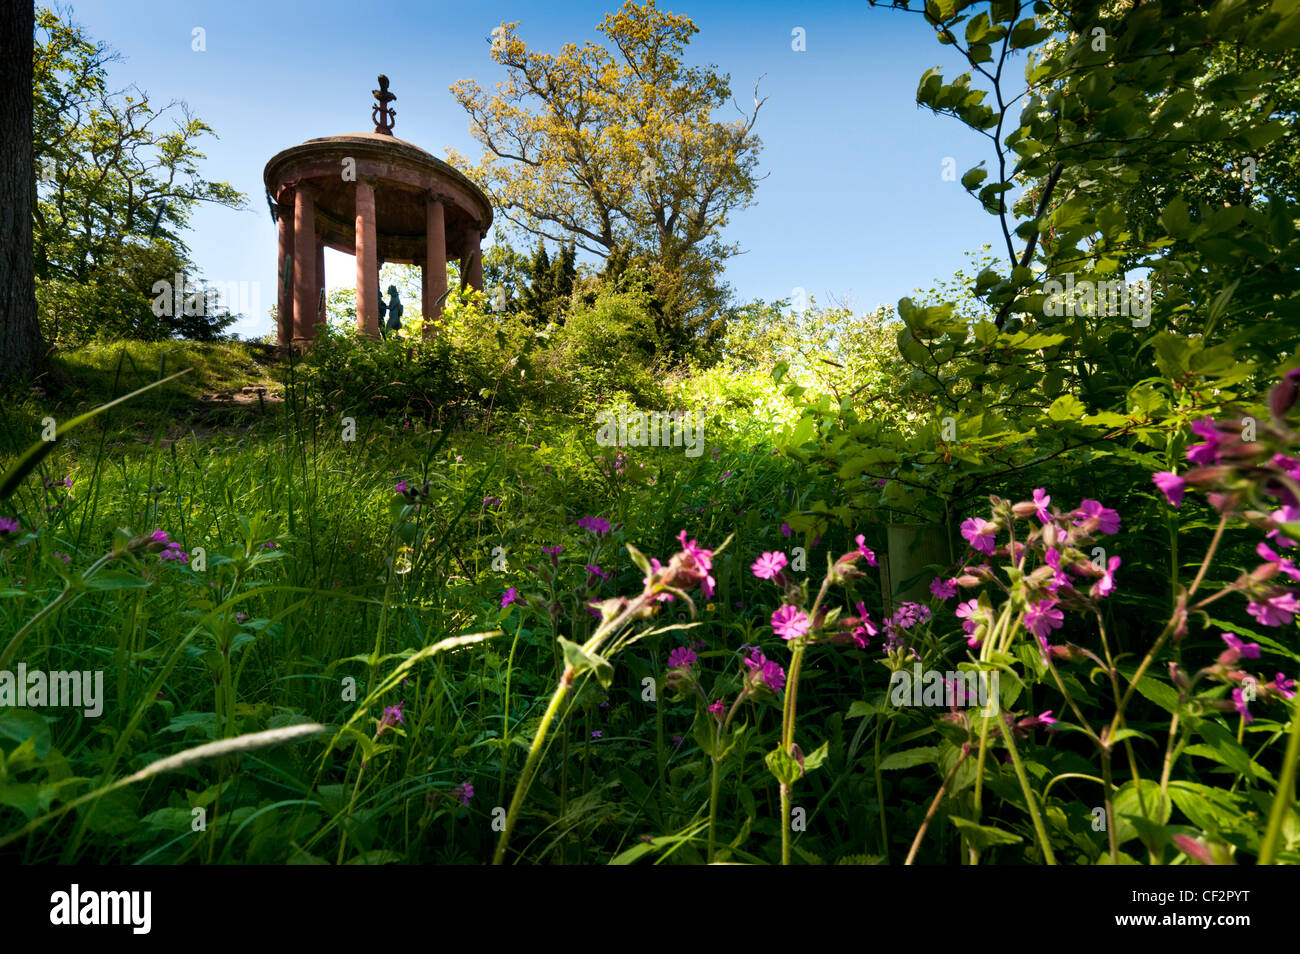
<point>475,360</point>
<point>606,349</point>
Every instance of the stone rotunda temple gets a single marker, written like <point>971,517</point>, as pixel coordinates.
<point>381,199</point>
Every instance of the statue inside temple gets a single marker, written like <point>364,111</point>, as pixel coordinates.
<point>393,309</point>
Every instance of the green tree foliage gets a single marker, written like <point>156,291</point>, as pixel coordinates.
<point>550,284</point>
<point>1116,166</point>
<point>118,181</point>
<point>621,150</point>
<point>506,270</point>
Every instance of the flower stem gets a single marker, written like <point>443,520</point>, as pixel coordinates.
<point>934,806</point>
<point>530,765</point>
<point>713,806</point>
<point>785,824</point>
<point>880,801</point>
<point>1285,797</point>
<point>787,739</point>
<point>1008,735</point>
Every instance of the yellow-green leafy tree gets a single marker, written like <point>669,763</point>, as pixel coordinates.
<point>622,148</point>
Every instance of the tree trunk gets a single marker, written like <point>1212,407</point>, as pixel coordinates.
<point>20,334</point>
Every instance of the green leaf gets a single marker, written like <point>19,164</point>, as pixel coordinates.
<point>205,722</point>
<point>861,709</point>
<point>978,28</point>
<point>170,819</point>
<point>1176,218</point>
<point>703,730</point>
<point>22,797</point>
<point>1066,408</point>
<point>815,758</point>
<point>1225,749</point>
<point>783,766</point>
<point>909,758</point>
<point>116,580</point>
<point>802,433</point>
<point>639,559</point>
<point>582,661</point>
<point>983,836</point>
<point>22,725</point>
<point>1106,419</point>
<point>1034,342</point>
<point>1174,354</point>
<point>1210,809</point>
<point>1123,734</point>
<point>1028,33</point>
<point>986,332</point>
<point>1162,694</point>
<point>1127,802</point>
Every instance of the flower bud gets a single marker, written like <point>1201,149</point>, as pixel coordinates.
<point>1068,653</point>
<point>1265,571</point>
<point>843,570</point>
<point>1224,503</point>
<point>1283,396</point>
<point>1179,677</point>
<point>1040,576</point>
<point>1213,476</point>
<point>678,682</point>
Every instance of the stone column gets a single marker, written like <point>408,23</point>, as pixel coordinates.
<point>318,303</point>
<point>435,262</point>
<point>473,258</point>
<point>304,264</point>
<point>284,286</point>
<point>367,266</point>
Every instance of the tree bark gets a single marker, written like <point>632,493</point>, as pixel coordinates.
<point>20,334</point>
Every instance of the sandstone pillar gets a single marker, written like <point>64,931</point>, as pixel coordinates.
<point>305,290</point>
<point>284,285</point>
<point>435,263</point>
<point>472,262</point>
<point>318,304</point>
<point>367,264</point>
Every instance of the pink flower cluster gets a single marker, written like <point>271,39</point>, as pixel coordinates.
<point>165,548</point>
<point>764,671</point>
<point>1246,687</point>
<point>1064,576</point>
<point>790,621</point>
<point>1238,476</point>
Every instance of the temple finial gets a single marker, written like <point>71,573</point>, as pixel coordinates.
<point>382,115</point>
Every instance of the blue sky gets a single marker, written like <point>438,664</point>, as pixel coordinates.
<point>853,206</point>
